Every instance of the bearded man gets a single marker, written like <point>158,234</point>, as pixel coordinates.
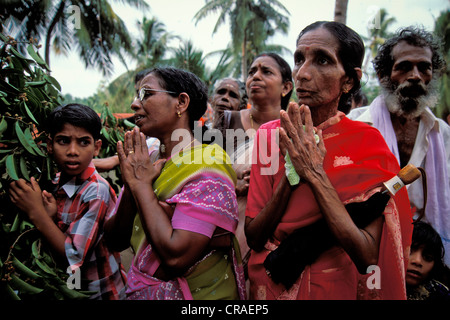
<point>408,67</point>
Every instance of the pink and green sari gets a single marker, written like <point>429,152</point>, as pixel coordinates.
<point>200,182</point>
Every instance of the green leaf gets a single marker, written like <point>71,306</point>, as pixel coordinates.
<point>30,114</point>
<point>16,223</point>
<point>17,53</point>
<point>48,163</point>
<point>11,169</point>
<point>23,140</point>
<point>72,293</point>
<point>35,83</point>
<point>8,87</point>
<point>53,81</point>
<point>23,286</point>
<point>105,133</point>
<point>25,225</point>
<point>32,143</point>
<point>24,270</point>
<point>35,55</point>
<point>9,293</point>
<point>23,168</point>
<point>44,267</point>
<point>129,124</point>
<point>6,102</point>
<point>3,126</point>
<point>35,249</point>
<point>110,119</point>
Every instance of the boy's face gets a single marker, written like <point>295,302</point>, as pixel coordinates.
<point>420,265</point>
<point>73,149</point>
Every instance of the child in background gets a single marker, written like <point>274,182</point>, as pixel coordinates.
<point>425,266</point>
<point>72,219</point>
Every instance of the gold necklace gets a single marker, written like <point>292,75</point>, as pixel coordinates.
<point>251,119</point>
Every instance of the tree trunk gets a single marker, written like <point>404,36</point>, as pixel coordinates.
<point>48,38</point>
<point>244,58</point>
<point>340,11</point>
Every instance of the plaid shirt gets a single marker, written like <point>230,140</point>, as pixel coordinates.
<point>84,204</point>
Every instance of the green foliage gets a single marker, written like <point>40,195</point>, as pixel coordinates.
<point>90,27</point>
<point>188,58</point>
<point>113,130</point>
<point>27,95</point>
<point>252,24</point>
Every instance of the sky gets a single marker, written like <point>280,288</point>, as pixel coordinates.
<point>178,15</point>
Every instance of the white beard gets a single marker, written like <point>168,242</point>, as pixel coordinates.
<point>408,107</point>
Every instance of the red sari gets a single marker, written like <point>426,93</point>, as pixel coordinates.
<point>357,162</point>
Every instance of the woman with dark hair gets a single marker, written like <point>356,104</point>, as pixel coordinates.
<point>316,218</point>
<point>269,88</point>
<point>183,232</point>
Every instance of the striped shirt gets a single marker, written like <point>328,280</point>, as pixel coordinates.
<point>85,203</point>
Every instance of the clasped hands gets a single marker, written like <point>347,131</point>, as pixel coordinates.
<point>306,154</point>
<point>135,164</point>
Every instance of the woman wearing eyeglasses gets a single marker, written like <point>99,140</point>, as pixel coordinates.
<point>183,194</point>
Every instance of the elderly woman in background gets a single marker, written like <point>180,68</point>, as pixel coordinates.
<point>269,88</point>
<point>319,236</point>
<point>229,94</point>
<point>183,232</point>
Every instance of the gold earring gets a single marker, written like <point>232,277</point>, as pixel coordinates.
<point>345,90</point>
<point>179,114</point>
<point>283,95</point>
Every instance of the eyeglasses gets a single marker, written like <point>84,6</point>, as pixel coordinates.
<point>142,93</point>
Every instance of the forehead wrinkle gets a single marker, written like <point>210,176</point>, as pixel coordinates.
<point>315,50</point>
<point>61,135</point>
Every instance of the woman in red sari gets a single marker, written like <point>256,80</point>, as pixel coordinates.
<point>339,257</point>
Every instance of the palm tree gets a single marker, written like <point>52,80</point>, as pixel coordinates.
<point>90,27</point>
<point>150,48</point>
<point>378,33</point>
<point>119,94</point>
<point>340,11</point>
<point>153,43</point>
<point>191,59</point>
<point>188,58</point>
<point>252,22</point>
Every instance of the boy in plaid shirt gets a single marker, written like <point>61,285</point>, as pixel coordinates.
<point>72,219</point>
